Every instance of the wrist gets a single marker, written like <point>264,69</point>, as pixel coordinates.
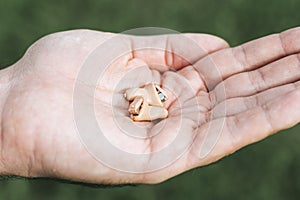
<point>4,88</point>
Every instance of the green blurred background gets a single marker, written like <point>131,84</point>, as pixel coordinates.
<point>266,170</point>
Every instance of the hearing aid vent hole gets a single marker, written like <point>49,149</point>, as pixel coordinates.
<point>162,97</point>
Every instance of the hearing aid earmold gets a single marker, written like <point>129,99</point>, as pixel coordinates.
<point>146,104</point>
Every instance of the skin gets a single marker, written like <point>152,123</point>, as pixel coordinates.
<point>38,133</point>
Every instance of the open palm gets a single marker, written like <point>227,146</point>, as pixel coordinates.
<point>220,99</point>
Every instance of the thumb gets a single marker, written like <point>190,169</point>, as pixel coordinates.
<point>174,51</point>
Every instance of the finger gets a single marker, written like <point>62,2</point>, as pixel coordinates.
<point>283,71</point>
<point>244,128</point>
<point>223,64</point>
<point>256,124</point>
<point>234,106</point>
<point>175,51</point>
<point>210,43</point>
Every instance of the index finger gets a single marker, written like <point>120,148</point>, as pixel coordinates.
<point>249,56</point>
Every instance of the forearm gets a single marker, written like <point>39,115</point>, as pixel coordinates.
<point>5,75</point>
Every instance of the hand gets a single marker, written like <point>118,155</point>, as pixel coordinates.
<point>229,98</point>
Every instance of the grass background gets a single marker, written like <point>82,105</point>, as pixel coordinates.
<point>266,170</point>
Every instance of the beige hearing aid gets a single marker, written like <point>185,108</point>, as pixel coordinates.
<point>147,103</point>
